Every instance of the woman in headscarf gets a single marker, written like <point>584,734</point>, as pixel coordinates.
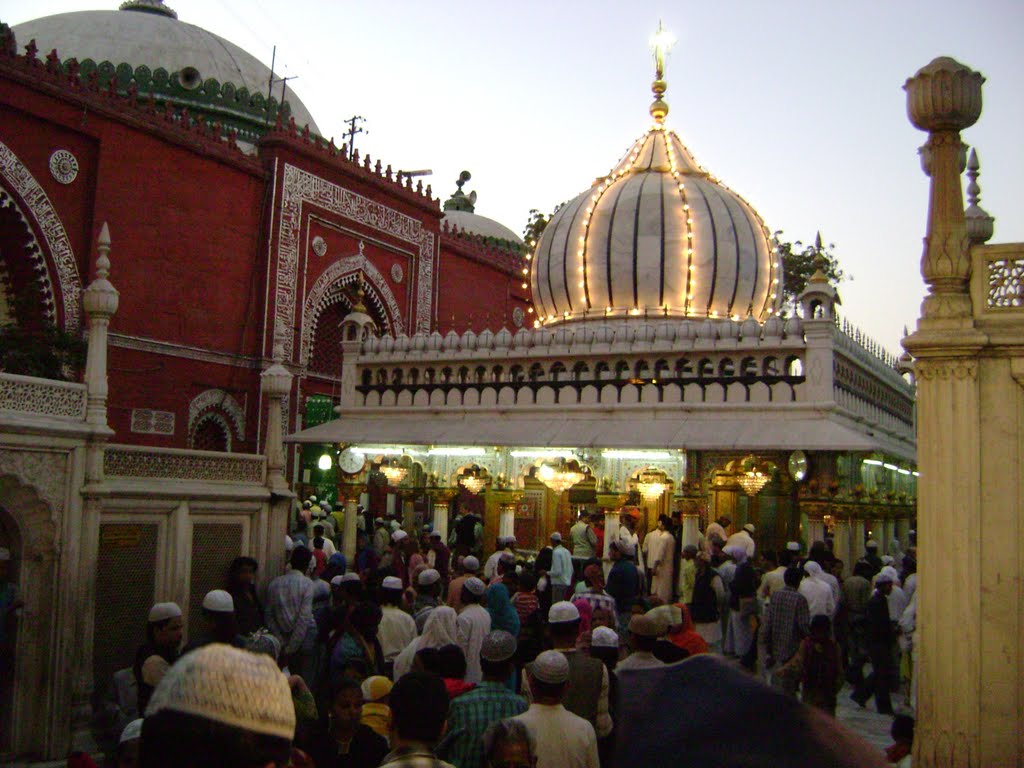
<point>503,613</point>
<point>685,634</point>
<point>586,622</point>
<point>359,645</point>
<point>742,629</point>
<point>439,631</point>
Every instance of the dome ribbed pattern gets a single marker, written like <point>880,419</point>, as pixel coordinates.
<point>658,235</point>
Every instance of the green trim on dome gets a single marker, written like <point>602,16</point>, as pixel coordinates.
<point>250,115</point>
<point>148,6</point>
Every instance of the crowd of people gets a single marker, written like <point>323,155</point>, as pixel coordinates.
<point>419,654</point>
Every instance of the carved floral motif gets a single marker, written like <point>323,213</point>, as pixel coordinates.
<point>42,470</point>
<point>944,370</point>
<point>232,468</point>
<point>1005,283</point>
<point>14,172</point>
<point>63,166</point>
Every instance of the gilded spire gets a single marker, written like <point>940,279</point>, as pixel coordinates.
<point>661,44</point>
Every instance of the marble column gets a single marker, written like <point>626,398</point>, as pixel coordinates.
<point>611,533</point>
<point>841,543</point>
<point>856,541</point>
<point>691,529</point>
<point>349,529</point>
<point>507,520</point>
<point>815,530</point>
<point>440,503</point>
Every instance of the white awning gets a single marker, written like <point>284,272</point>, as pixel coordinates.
<point>781,429</point>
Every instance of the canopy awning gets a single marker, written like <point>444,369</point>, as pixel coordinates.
<point>781,429</point>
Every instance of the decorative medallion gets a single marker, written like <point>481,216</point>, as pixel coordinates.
<point>518,316</point>
<point>63,166</point>
<point>319,246</point>
<point>396,272</point>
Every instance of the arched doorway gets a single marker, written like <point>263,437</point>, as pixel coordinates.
<point>27,530</point>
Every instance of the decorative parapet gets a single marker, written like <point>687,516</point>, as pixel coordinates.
<point>363,167</point>
<point>113,91</point>
<point>42,397</point>
<point>127,461</point>
<point>508,255</point>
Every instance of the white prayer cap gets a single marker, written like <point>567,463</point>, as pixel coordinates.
<point>5,554</point>
<point>498,645</point>
<point>604,637</point>
<point>391,582</point>
<point>321,589</point>
<point>219,601</point>
<point>625,547</point>
<point>398,535</point>
<point>428,577</point>
<point>550,667</point>
<point>336,581</point>
<point>506,557</point>
<point>289,545</point>
<point>556,536</point>
<point>888,574</point>
<point>378,521</point>
<point>562,612</point>
<point>475,586</point>
<point>435,535</point>
<point>872,544</point>
<point>793,546</point>
<point>350,577</point>
<point>886,559</point>
<point>749,528</point>
<point>470,563</point>
<point>666,616</point>
<point>230,686</point>
<point>326,506</point>
<point>131,731</point>
<point>163,611</point>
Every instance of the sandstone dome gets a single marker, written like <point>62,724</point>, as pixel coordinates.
<point>147,32</point>
<point>658,235</point>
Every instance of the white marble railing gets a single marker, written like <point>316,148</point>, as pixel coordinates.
<point>42,397</point>
<point>129,461</point>
<point>997,280</point>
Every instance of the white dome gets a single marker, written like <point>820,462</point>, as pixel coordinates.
<point>475,224</point>
<point>657,234</point>
<point>156,39</point>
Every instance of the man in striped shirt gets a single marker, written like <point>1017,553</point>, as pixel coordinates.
<point>487,703</point>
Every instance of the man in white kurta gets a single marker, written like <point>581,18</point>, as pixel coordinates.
<point>744,537</point>
<point>397,628</point>
<point>659,546</point>
<point>564,740</point>
<point>820,601</point>
<point>473,624</point>
<point>714,530</point>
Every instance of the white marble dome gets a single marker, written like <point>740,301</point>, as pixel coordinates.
<point>148,32</point>
<point>659,235</point>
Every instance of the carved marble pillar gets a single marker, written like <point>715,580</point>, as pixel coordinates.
<point>441,499</point>
<point>691,528</point>
<point>350,528</point>
<point>507,520</point>
<point>815,530</point>
<point>841,543</point>
<point>856,540</point>
<point>955,683</point>
<point>611,533</point>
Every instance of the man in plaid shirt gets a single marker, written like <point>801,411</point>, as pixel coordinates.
<point>786,623</point>
<point>489,702</point>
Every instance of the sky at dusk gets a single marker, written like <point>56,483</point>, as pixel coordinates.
<point>797,105</point>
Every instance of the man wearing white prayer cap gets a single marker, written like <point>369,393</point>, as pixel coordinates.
<point>560,574</point>
<point>219,624</point>
<point>428,596</point>
<point>587,693</point>
<point>744,538</point>
<point>219,706</point>
<point>397,628</point>
<point>474,622</point>
<point>564,740</point>
<point>164,629</point>
<point>127,752</point>
<point>466,569</point>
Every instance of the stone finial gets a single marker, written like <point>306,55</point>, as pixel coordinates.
<point>980,226</point>
<point>661,44</point>
<point>944,95</point>
<point>100,299</point>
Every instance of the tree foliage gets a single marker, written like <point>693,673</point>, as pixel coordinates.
<point>800,262</point>
<point>31,345</point>
<point>535,224</point>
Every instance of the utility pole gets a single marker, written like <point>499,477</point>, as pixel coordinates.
<point>353,129</point>
<point>270,84</point>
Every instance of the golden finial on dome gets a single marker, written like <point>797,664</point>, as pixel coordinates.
<point>661,44</point>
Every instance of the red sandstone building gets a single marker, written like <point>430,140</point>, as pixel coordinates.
<point>229,216</point>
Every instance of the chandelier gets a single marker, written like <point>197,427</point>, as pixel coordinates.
<point>754,477</point>
<point>473,481</point>
<point>559,479</point>
<point>393,471</point>
<point>650,484</point>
